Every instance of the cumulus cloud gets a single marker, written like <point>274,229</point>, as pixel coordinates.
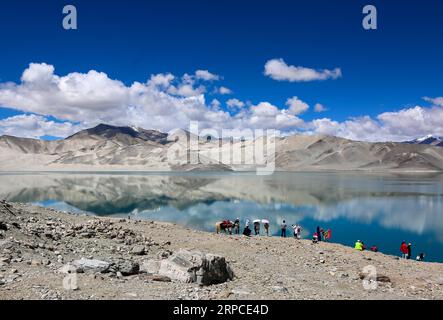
<point>38,73</point>
<point>235,104</point>
<point>206,75</point>
<point>215,104</point>
<point>277,69</point>
<point>296,106</point>
<point>34,126</point>
<point>186,90</point>
<point>164,102</point>
<point>266,115</point>
<point>224,90</point>
<point>162,80</point>
<point>435,101</point>
<point>403,125</point>
<point>319,108</point>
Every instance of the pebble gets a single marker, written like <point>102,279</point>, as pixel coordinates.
<point>280,289</point>
<point>35,263</point>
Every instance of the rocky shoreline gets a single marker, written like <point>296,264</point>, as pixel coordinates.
<point>52,255</point>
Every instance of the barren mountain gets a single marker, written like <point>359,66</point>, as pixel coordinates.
<point>109,148</point>
<point>429,139</point>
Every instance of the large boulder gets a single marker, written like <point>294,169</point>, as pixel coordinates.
<point>128,268</point>
<point>138,250</point>
<point>198,267</point>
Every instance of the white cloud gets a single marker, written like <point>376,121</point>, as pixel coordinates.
<point>319,108</point>
<point>92,98</point>
<point>166,102</point>
<point>186,90</point>
<point>435,101</point>
<point>224,90</point>
<point>265,109</point>
<point>33,126</point>
<point>206,75</point>
<point>215,104</point>
<point>277,69</point>
<point>162,80</point>
<point>296,106</point>
<point>403,125</point>
<point>38,73</point>
<point>266,115</point>
<point>235,104</point>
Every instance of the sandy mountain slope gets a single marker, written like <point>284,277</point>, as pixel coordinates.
<point>107,148</point>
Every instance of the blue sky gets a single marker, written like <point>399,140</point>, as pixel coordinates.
<point>389,69</point>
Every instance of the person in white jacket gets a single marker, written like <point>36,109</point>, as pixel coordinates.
<point>297,231</point>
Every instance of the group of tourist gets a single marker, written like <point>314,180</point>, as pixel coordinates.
<point>319,235</point>
<point>405,250</point>
<point>297,229</point>
<point>234,227</point>
<point>360,246</point>
<point>256,225</point>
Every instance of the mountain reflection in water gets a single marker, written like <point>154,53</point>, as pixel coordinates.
<point>379,209</point>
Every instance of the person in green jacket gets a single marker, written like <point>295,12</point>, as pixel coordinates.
<point>359,245</point>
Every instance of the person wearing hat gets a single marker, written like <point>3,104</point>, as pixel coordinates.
<point>409,251</point>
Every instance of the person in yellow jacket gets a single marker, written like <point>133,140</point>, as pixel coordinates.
<point>359,245</point>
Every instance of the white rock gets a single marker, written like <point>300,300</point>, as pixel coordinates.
<point>92,265</point>
<point>150,266</point>
<point>69,268</point>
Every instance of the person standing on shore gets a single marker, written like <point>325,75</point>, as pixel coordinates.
<point>283,229</point>
<point>409,251</point>
<point>297,231</point>
<point>404,250</point>
<point>319,233</point>
<point>237,226</point>
<point>266,226</point>
<point>257,227</point>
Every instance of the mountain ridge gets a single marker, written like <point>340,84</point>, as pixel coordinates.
<point>428,140</point>
<point>108,148</point>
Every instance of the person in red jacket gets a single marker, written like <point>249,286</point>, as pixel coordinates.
<point>404,250</point>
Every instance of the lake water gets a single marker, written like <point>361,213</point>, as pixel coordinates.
<point>381,210</point>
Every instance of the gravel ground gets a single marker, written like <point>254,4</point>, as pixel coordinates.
<point>36,242</point>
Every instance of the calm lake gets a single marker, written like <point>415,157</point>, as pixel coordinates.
<point>379,209</point>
